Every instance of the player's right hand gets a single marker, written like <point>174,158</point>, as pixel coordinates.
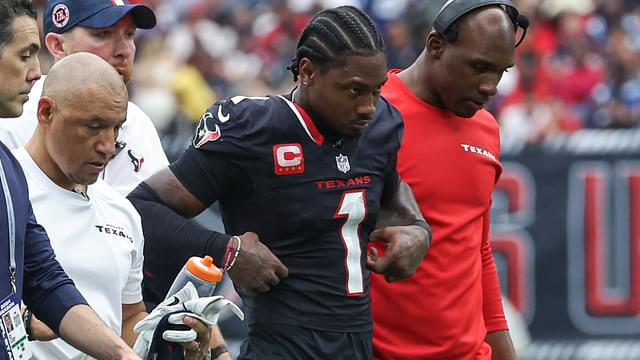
<point>256,267</point>
<point>406,246</point>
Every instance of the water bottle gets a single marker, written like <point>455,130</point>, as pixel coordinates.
<point>201,272</point>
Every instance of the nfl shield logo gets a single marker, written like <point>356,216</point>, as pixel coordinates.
<point>343,163</point>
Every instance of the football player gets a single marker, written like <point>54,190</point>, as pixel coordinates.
<point>302,181</point>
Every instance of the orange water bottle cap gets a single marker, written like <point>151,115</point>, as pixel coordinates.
<point>204,268</point>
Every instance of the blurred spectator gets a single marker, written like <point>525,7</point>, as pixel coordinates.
<point>578,67</point>
<point>400,49</point>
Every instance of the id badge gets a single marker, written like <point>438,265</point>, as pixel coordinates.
<point>14,334</point>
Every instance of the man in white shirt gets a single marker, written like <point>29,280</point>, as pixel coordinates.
<point>105,28</point>
<point>29,271</point>
<point>96,232</point>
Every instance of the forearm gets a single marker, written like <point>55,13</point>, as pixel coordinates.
<point>406,235</point>
<point>497,331</point>
<point>176,235</point>
<point>400,208</point>
<point>216,337</point>
<point>82,328</point>
<point>492,308</point>
<point>128,335</point>
<point>493,311</point>
<point>501,345</point>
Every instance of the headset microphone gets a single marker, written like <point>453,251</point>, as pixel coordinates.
<point>523,22</point>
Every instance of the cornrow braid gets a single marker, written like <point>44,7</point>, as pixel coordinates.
<point>335,33</point>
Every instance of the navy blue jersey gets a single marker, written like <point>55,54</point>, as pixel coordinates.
<point>312,202</point>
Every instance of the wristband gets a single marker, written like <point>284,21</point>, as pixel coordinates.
<point>423,224</point>
<point>218,350</point>
<point>227,254</point>
<point>232,254</point>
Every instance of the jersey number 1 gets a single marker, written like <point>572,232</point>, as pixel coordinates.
<point>353,207</point>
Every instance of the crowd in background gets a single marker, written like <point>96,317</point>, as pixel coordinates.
<point>577,68</point>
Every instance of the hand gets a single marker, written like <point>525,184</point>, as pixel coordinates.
<point>199,348</point>
<point>256,268</point>
<point>406,246</point>
<point>40,331</point>
<point>183,304</point>
<point>501,345</point>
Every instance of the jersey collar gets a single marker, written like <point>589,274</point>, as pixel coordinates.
<point>305,120</point>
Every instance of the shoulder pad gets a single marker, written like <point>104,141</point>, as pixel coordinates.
<point>235,117</point>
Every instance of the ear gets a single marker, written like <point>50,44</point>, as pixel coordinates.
<point>45,111</point>
<point>306,70</point>
<point>55,44</point>
<point>436,43</point>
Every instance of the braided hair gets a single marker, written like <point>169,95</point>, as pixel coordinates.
<point>335,33</point>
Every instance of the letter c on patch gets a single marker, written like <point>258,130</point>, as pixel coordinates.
<point>289,155</point>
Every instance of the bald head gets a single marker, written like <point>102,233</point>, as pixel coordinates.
<point>77,74</point>
<point>83,105</point>
<point>460,73</point>
<point>489,21</point>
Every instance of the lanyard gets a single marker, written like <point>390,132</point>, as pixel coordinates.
<point>12,228</point>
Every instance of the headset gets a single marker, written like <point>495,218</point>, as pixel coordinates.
<point>453,10</point>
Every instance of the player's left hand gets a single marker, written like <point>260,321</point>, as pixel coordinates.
<point>199,348</point>
<point>406,246</point>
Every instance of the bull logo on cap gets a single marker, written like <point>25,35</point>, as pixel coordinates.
<point>60,15</point>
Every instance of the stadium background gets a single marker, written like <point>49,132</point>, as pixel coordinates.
<point>566,214</point>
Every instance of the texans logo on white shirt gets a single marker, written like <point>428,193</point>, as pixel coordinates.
<point>136,160</point>
<point>113,230</point>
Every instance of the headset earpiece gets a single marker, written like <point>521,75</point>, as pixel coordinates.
<point>445,22</point>
<point>451,34</point>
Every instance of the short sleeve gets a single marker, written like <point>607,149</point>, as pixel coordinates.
<point>230,133</point>
<point>132,292</point>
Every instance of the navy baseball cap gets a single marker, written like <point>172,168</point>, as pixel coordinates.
<point>61,16</point>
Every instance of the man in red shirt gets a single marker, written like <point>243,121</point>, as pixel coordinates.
<point>451,308</point>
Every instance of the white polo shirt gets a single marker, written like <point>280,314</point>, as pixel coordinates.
<point>98,241</point>
<point>141,157</point>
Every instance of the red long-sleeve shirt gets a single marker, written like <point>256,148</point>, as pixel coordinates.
<point>445,310</point>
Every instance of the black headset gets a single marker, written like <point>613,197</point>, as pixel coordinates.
<point>453,10</point>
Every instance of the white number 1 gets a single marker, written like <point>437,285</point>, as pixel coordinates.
<point>352,206</point>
